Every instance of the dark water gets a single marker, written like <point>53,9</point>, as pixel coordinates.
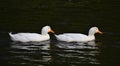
<point>63,16</point>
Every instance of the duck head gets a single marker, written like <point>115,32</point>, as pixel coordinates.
<point>46,29</point>
<point>94,30</point>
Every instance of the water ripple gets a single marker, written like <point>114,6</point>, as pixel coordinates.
<point>47,53</point>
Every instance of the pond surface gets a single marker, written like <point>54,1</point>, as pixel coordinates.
<point>64,16</point>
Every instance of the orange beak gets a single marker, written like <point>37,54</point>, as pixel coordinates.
<point>100,32</point>
<point>52,31</point>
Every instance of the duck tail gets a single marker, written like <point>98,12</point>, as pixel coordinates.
<point>55,35</point>
<point>11,34</point>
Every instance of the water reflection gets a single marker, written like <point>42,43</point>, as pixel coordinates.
<point>31,45</point>
<point>52,52</point>
<point>31,53</point>
<point>78,53</point>
<point>74,45</point>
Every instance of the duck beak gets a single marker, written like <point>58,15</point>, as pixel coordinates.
<point>52,31</point>
<point>100,32</point>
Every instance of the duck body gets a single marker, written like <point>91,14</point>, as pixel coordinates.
<point>28,37</point>
<point>74,37</point>
<point>78,37</point>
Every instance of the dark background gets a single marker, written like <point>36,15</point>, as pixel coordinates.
<point>63,16</point>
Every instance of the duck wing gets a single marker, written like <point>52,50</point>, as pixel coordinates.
<point>70,37</point>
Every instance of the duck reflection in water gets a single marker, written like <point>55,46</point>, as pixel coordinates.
<point>31,45</point>
<point>30,53</point>
<point>52,52</point>
<point>77,53</point>
<point>77,45</point>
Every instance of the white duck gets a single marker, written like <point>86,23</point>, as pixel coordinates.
<point>78,37</point>
<point>27,37</point>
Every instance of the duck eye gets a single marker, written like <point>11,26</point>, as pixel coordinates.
<point>48,28</point>
<point>96,29</point>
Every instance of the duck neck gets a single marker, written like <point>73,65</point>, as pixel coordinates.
<point>43,32</point>
<point>91,36</point>
<point>91,33</point>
